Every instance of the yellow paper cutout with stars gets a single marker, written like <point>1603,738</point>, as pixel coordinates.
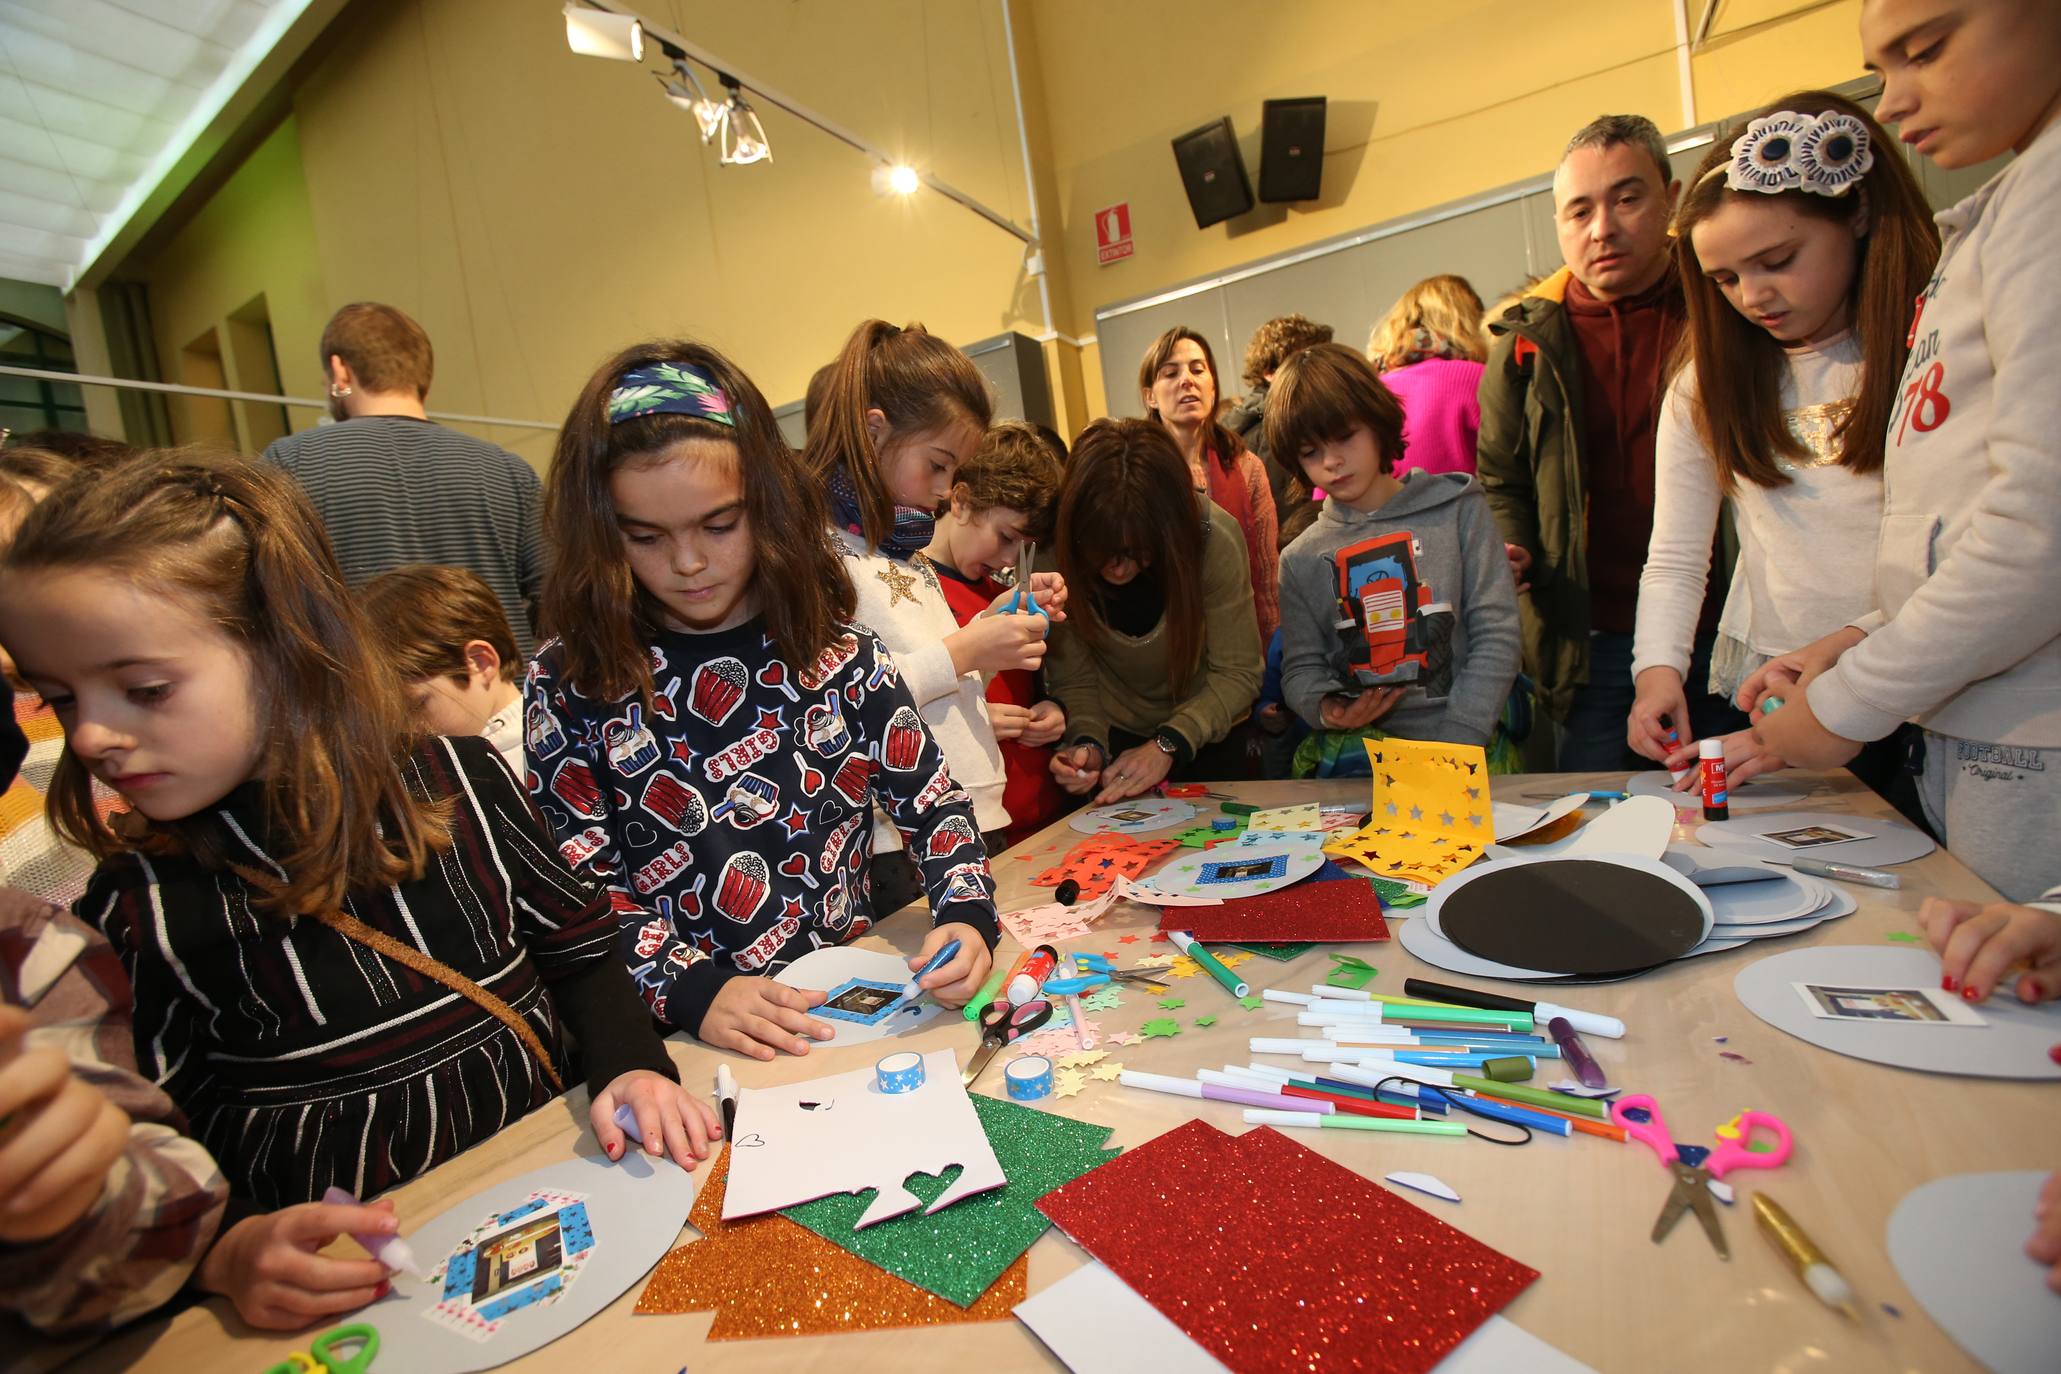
<point>1431,813</point>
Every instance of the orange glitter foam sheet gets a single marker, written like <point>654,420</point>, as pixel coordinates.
<point>1098,861</point>
<point>768,1276</point>
<point>1431,814</point>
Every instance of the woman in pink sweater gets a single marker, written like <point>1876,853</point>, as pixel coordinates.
<point>1429,352</point>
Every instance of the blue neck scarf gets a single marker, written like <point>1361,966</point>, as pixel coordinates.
<point>913,527</point>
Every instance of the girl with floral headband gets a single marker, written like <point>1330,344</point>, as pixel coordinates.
<point>903,410</point>
<point>709,732</point>
<point>1800,243</point>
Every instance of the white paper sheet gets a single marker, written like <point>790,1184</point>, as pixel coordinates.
<point>842,1134</point>
<point>1959,1245</point>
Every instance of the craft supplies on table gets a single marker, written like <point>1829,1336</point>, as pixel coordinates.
<point>1691,1190</point>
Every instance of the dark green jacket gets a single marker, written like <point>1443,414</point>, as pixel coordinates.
<point>1530,468</point>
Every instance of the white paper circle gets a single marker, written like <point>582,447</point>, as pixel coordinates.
<point>2013,1044</point>
<point>1133,817</point>
<point>1783,897</point>
<point>1233,870</point>
<point>1889,842</point>
<point>1758,794</point>
<point>1958,1244</point>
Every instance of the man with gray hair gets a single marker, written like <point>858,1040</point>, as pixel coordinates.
<point>1569,404</point>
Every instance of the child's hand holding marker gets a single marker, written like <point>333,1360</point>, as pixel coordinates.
<point>1980,947</point>
<point>1078,769</point>
<point>954,981</point>
<point>669,1119</point>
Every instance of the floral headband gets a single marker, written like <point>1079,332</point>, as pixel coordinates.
<point>668,388</point>
<point>1823,154</point>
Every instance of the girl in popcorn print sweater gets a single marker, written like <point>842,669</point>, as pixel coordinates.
<point>708,734</point>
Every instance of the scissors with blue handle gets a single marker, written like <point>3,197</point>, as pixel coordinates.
<point>1692,1182</point>
<point>1025,602</point>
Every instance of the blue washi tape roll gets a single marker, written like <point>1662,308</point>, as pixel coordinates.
<point>1028,1078</point>
<point>900,1073</point>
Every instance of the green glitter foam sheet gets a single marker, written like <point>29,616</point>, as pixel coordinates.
<point>959,1252</point>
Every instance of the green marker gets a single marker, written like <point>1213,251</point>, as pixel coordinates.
<point>987,991</point>
<point>1265,1116</point>
<point>1770,705</point>
<point>1535,1097</point>
<point>1472,1016</point>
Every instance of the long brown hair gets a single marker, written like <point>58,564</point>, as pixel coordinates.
<point>240,542</point>
<point>1445,308</point>
<point>917,380</point>
<point>592,601</point>
<point>1128,493</point>
<point>1739,365</point>
<point>1226,445</point>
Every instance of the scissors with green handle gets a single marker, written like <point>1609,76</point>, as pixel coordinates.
<point>322,1357</point>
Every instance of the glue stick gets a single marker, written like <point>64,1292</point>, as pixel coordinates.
<point>1710,755</point>
<point>1027,984</point>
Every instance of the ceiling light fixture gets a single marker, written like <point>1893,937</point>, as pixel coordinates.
<point>744,138</point>
<point>684,90</point>
<point>598,33</point>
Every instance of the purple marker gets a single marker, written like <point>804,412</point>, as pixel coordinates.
<point>391,1251</point>
<point>1217,1092</point>
<point>1586,1069</point>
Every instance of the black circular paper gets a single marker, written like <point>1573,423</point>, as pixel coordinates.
<point>1578,917</point>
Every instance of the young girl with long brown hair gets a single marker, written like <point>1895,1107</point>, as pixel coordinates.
<point>353,951</point>
<point>709,732</point>
<point>1160,662</point>
<point>903,410</point>
<point>1801,242</point>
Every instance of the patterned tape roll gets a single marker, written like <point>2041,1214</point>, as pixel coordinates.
<point>1029,1078</point>
<point>900,1073</point>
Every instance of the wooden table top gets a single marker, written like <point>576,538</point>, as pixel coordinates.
<point>1577,1209</point>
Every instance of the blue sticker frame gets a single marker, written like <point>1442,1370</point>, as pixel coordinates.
<point>1243,870</point>
<point>896,994</point>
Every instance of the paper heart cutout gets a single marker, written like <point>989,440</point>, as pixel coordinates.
<point>749,1141</point>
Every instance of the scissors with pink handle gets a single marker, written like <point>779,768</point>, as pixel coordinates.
<point>1692,1181</point>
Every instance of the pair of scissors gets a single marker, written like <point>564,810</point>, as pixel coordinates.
<point>1000,1023</point>
<point>1025,602</point>
<point>321,1356</point>
<point>1099,965</point>
<point>1692,1181</point>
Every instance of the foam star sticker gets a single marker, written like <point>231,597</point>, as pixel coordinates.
<point>1127,939</point>
<point>1124,1038</point>
<point>1232,958</point>
<point>1184,967</point>
<point>1205,1022</point>
<point>1171,1004</point>
<point>1251,1003</point>
<point>900,585</point>
<point>1068,1082</point>
<point>1159,960</point>
<point>1080,1059</point>
<point>1160,1026</point>
<point>1103,999</point>
<point>1106,1073</point>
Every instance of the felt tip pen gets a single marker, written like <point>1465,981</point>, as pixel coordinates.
<point>1586,1070</point>
<point>1211,965</point>
<point>1535,1097</point>
<point>726,1098</point>
<point>1418,1096</point>
<point>1770,705</point>
<point>1375,1074</point>
<point>391,1251</point>
<point>1845,873</point>
<point>1377,1013</point>
<point>993,988</point>
<point>1081,1033</point>
<point>1607,795</point>
<point>1587,1022</point>
<point>932,965</point>
<point>1218,1092</point>
<point>1263,1117</point>
<point>1827,1284</point>
<point>1355,1100</point>
<point>1515,1116</point>
<point>1605,1129</point>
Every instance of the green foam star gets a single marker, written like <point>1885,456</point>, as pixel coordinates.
<point>1160,1026</point>
<point>1251,1003</point>
<point>1903,936</point>
<point>1171,1003</point>
<point>1205,1021</point>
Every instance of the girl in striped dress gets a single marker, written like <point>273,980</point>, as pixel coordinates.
<point>355,953</point>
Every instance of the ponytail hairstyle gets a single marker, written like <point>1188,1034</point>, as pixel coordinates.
<point>1738,405</point>
<point>917,380</point>
<point>238,541</point>
<point>591,600</point>
<point>1128,493</point>
<point>1215,437</point>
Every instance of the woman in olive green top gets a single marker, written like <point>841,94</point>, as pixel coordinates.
<point>1158,663</point>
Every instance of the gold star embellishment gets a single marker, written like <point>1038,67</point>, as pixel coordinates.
<point>899,584</point>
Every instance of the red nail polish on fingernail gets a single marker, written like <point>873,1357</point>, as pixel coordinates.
<point>2055,1054</point>
<point>1946,983</point>
<point>614,1150</point>
<point>385,1287</point>
<point>1971,993</point>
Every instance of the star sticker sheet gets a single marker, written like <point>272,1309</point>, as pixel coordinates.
<point>1431,814</point>
<point>1098,861</point>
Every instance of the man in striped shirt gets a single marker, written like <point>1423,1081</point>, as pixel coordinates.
<point>392,487</point>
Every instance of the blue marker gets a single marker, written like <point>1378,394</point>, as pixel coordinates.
<point>1516,1116</point>
<point>937,961</point>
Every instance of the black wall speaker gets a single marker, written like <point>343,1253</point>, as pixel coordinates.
<point>1213,171</point>
<point>1292,149</point>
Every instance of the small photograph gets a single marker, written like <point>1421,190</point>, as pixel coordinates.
<point>861,1001</point>
<point>1811,836</point>
<point>529,1251</point>
<point>1243,870</point>
<point>1130,815</point>
<point>1911,1005</point>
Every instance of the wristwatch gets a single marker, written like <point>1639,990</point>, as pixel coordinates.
<point>1168,743</point>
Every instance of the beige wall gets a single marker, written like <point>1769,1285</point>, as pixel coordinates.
<point>536,210</point>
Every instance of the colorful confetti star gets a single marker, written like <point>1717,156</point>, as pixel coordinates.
<point>1068,1083</point>
<point>1106,1073</point>
<point>1205,1021</point>
<point>1080,1059</point>
<point>1251,1003</point>
<point>1171,1004</point>
<point>1160,1026</point>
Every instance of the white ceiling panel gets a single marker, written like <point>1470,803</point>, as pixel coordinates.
<point>98,100</point>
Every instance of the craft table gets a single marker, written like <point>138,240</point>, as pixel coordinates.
<point>1577,1209</point>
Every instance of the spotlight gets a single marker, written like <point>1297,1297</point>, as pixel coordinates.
<point>597,33</point>
<point>902,180</point>
<point>685,91</point>
<point>744,138</point>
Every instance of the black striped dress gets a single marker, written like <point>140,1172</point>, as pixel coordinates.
<point>303,1059</point>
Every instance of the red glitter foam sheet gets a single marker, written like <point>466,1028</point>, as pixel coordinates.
<point>1333,910</point>
<point>1273,1257</point>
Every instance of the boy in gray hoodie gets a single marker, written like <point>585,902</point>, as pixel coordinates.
<point>1397,605</point>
